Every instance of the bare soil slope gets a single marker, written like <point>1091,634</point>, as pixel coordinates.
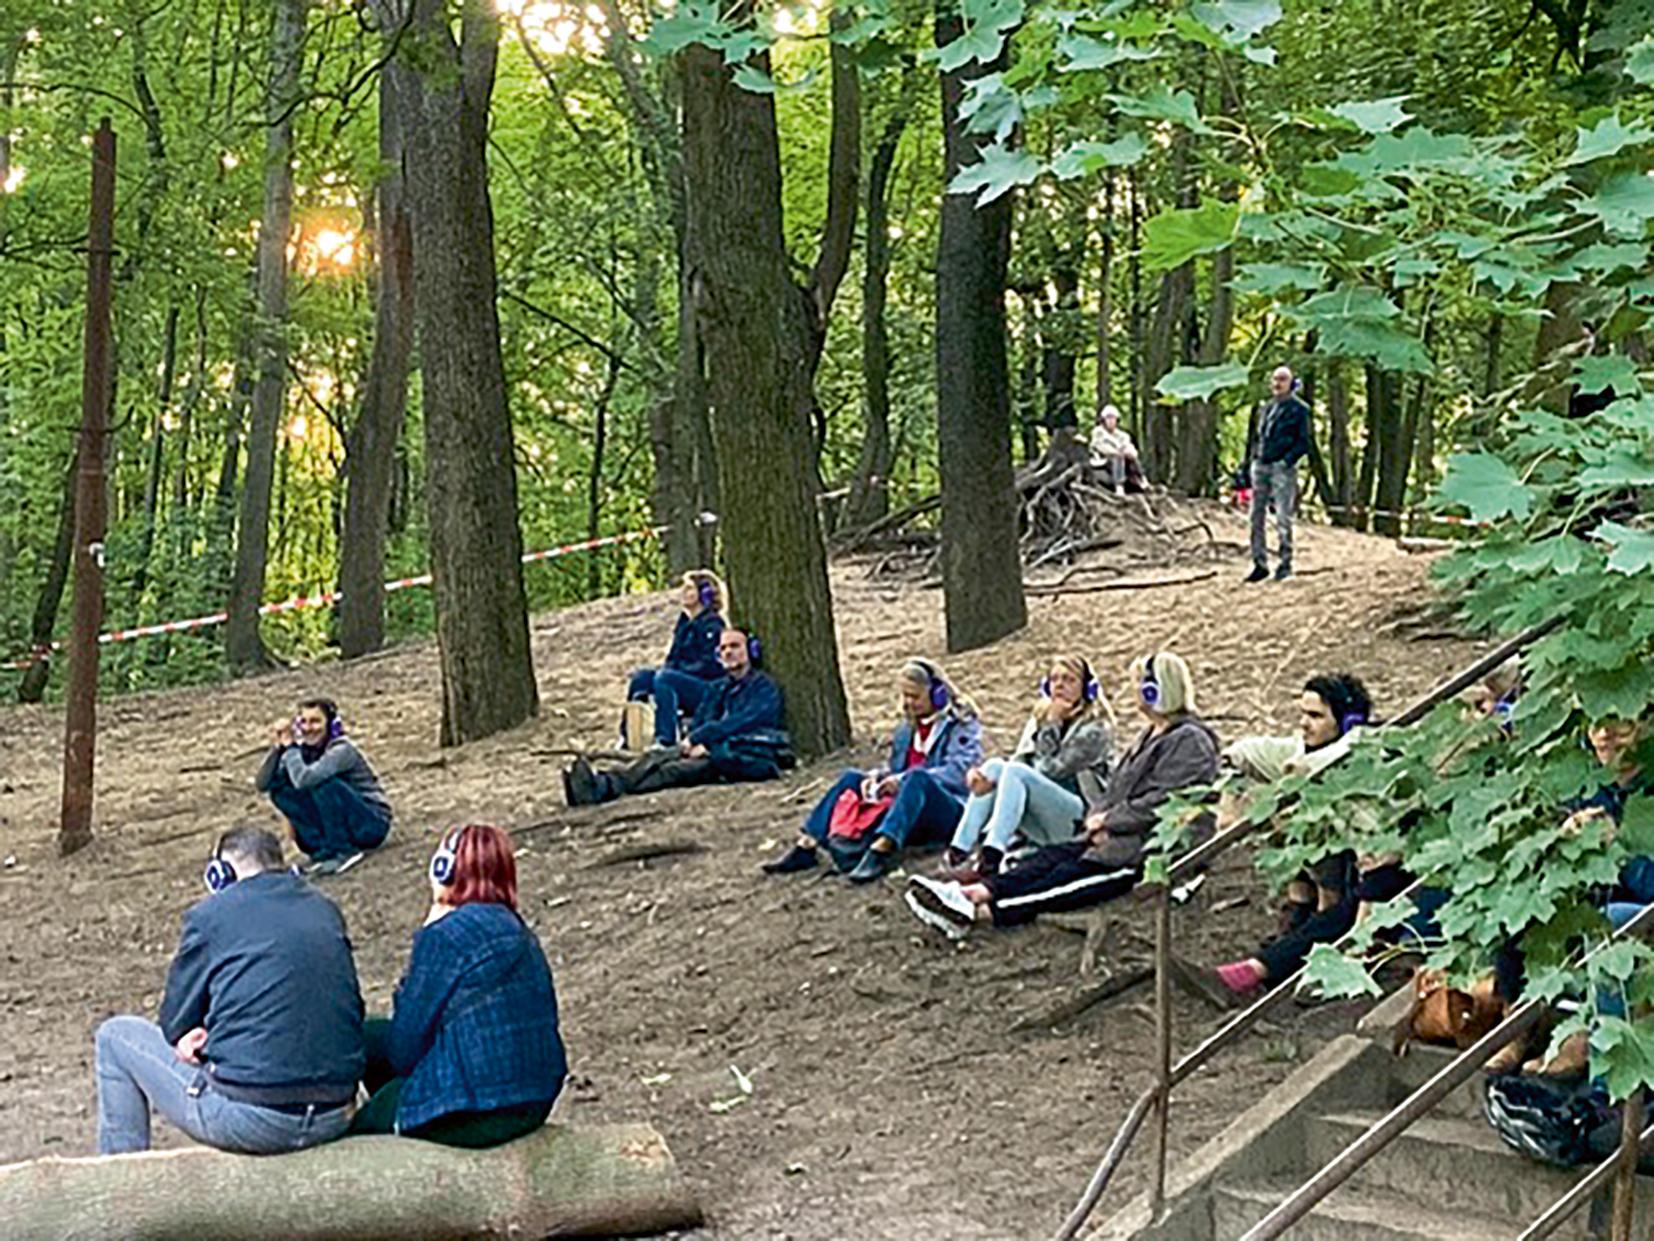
<point>891,1097</point>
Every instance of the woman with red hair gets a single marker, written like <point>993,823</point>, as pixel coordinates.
<point>471,1055</point>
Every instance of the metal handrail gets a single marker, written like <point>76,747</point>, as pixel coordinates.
<point>1463,1066</point>
<point>1169,1075</point>
<point>1560,1211</point>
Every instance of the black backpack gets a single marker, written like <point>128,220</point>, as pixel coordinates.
<point>1566,1124</point>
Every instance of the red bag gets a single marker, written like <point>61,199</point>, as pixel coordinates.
<point>853,818</point>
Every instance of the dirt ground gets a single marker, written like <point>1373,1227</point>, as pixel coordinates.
<point>891,1097</point>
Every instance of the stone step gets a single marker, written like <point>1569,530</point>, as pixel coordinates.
<point>1423,1062</point>
<point>1460,1160</point>
<point>1353,1212</point>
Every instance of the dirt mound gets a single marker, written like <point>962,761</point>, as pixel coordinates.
<point>891,1095</point>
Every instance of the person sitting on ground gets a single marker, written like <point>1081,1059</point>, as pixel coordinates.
<point>1177,750</point>
<point>1113,452</point>
<point>1494,696</point>
<point>322,783</point>
<point>736,736</point>
<point>471,1055</point>
<point>1322,905</point>
<point>1040,794</point>
<point>921,791</point>
<point>691,666</point>
<point>259,1044</point>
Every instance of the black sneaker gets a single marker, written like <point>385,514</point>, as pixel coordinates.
<point>580,783</point>
<point>873,865</point>
<point>1283,571</point>
<point>1259,574</point>
<point>793,860</point>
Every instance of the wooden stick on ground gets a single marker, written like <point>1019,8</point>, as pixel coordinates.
<point>1136,585</point>
<point>643,852</point>
<point>1088,998</point>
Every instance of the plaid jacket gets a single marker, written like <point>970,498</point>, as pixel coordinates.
<point>475,1023</point>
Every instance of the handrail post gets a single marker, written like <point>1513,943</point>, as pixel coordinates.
<point>1625,1176</point>
<point>1163,1045</point>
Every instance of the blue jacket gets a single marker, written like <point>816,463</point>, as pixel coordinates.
<point>734,710</point>
<point>1637,876</point>
<point>266,967</point>
<point>475,1023</point>
<point>694,648</point>
<point>953,751</point>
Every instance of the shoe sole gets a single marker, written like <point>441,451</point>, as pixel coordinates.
<point>923,892</point>
<point>933,919</point>
<point>349,862</point>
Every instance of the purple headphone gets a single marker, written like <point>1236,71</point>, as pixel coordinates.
<point>1089,689</point>
<point>328,708</point>
<point>1149,689</point>
<point>939,696</point>
<point>706,592</point>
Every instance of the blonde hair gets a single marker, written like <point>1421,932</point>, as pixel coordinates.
<point>720,596</point>
<point>923,673</point>
<point>1089,709</point>
<point>1174,687</point>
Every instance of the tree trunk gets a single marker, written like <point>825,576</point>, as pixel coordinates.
<point>981,564</point>
<point>157,453</point>
<point>1197,455</point>
<point>1338,441</point>
<point>32,688</point>
<point>1378,462</point>
<point>869,497</point>
<point>759,383</point>
<point>471,480</point>
<point>370,451</point>
<point>1135,277</point>
<point>1105,300</point>
<point>594,481</point>
<point>243,646</point>
<point>610,1180</point>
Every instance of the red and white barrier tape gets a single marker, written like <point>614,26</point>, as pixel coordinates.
<point>329,597</point>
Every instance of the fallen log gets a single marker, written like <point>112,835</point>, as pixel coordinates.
<point>599,1181</point>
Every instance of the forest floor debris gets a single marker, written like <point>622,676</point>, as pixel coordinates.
<point>894,1096</point>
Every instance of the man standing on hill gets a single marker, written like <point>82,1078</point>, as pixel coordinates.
<point>1281,438</point>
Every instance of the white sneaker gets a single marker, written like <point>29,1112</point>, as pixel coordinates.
<point>942,906</point>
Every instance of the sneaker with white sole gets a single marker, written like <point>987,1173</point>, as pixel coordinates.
<point>941,905</point>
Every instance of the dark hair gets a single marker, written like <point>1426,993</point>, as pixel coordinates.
<point>1346,697</point>
<point>256,844</point>
<point>326,706</point>
<point>485,868</point>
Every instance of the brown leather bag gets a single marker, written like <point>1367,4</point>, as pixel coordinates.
<point>1446,1015</point>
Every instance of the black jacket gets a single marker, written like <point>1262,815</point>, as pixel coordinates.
<point>266,967</point>
<point>1282,434</point>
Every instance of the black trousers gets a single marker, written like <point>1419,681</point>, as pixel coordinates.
<point>1054,879</point>
<point>1286,953</point>
<point>654,772</point>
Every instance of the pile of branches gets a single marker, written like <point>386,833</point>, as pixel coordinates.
<point>1069,510</point>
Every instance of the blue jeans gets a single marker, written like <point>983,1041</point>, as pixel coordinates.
<point>673,692</point>
<point>1273,483</point>
<point>1023,802</point>
<point>329,819</point>
<point>137,1070</point>
<point>923,810</point>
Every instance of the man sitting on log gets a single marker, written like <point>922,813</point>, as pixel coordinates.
<point>322,783</point>
<point>259,1047</point>
<point>1113,452</point>
<point>736,735</point>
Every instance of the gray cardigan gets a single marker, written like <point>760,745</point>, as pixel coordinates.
<point>1076,756</point>
<point>1155,767</point>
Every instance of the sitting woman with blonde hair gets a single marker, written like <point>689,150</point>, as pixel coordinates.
<point>1058,769</point>
<point>691,667</point>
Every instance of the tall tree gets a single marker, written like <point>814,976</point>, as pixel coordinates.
<point>471,486</point>
<point>243,645</point>
<point>759,367</point>
<point>370,450</point>
<point>981,566</point>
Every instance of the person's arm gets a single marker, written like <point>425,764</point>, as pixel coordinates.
<point>678,654</point>
<point>1301,444</point>
<point>1085,746</point>
<point>339,757</point>
<point>703,647</point>
<point>963,751</point>
<point>184,1003</point>
<point>757,706</point>
<point>1186,760</point>
<point>421,997</point>
<point>266,774</point>
<point>1263,758</point>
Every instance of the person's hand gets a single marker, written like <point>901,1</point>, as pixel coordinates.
<point>1579,820</point>
<point>695,751</point>
<point>887,787</point>
<point>978,783</point>
<point>284,733</point>
<point>1096,828</point>
<point>188,1048</point>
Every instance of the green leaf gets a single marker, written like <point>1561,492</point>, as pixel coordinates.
<point>1637,825</point>
<point>1243,18</point>
<point>997,173</point>
<point>1087,157</point>
<point>1083,52</point>
<point>1393,348</point>
<point>1188,383</point>
<point>1486,486</point>
<point>1419,149</point>
<point>1609,136</point>
<point>1639,62</point>
<point>1175,236</point>
<point>1624,204</point>
<point>1330,973</point>
<point>695,21</point>
<point>1624,1054</point>
<point>1617,469</point>
<point>1274,277</point>
<point>1161,104</point>
<point>986,23</point>
<point>1607,372</point>
<point>1633,549</point>
<point>1611,258</point>
<point>1376,116</point>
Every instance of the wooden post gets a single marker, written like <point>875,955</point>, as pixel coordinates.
<point>81,717</point>
<point>1163,1047</point>
<point>1625,1177</point>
